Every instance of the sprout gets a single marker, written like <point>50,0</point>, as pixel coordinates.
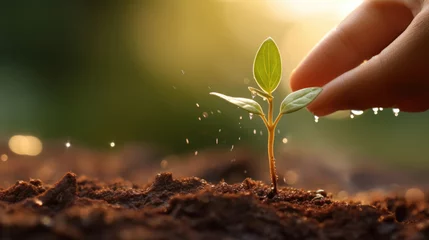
<point>267,72</point>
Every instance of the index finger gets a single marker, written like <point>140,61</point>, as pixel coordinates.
<point>363,34</point>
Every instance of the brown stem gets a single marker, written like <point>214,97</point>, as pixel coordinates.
<point>271,134</point>
<point>271,159</point>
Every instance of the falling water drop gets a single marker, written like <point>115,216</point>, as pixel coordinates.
<point>356,112</point>
<point>187,141</point>
<point>217,141</point>
<point>68,144</point>
<point>205,114</point>
<point>375,110</point>
<point>196,153</point>
<point>352,116</point>
<point>232,148</point>
<point>396,111</point>
<point>381,109</point>
<point>241,117</point>
<point>254,131</point>
<point>112,144</point>
<point>183,71</point>
<point>239,138</point>
<point>260,132</point>
<point>198,105</point>
<point>253,93</point>
<point>250,116</point>
<point>199,118</point>
<point>316,119</point>
<point>284,140</point>
<point>278,131</point>
<point>218,111</point>
<point>220,129</point>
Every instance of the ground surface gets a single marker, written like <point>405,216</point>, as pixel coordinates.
<point>191,208</point>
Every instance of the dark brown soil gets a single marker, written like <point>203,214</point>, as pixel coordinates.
<point>191,208</point>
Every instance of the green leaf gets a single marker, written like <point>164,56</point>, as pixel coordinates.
<point>267,67</point>
<point>299,99</point>
<point>259,92</point>
<point>244,103</point>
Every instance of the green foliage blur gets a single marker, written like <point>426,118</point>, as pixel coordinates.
<point>134,71</point>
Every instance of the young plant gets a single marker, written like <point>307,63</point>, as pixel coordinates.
<point>267,71</point>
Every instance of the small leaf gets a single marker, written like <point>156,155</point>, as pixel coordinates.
<point>267,67</point>
<point>259,92</point>
<point>244,103</point>
<point>299,99</point>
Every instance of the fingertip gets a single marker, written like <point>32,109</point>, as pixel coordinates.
<point>294,82</point>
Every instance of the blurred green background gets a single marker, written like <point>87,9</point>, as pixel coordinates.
<point>92,72</point>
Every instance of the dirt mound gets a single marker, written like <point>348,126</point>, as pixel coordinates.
<point>191,208</point>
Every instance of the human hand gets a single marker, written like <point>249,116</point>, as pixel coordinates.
<point>393,35</point>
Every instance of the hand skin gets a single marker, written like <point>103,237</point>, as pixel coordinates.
<point>393,36</point>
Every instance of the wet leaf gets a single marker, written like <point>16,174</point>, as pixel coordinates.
<point>259,92</point>
<point>299,99</point>
<point>244,103</point>
<point>267,67</point>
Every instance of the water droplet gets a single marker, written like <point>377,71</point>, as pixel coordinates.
<point>253,93</point>
<point>219,111</point>
<point>356,112</point>
<point>241,117</point>
<point>187,141</point>
<point>196,153</point>
<point>264,99</point>
<point>220,129</point>
<point>316,118</point>
<point>260,132</point>
<point>250,116</point>
<point>232,148</point>
<point>217,141</point>
<point>4,157</point>
<point>205,114</point>
<point>291,177</point>
<point>278,131</point>
<point>254,131</point>
<point>112,144</point>
<point>199,118</point>
<point>239,138</point>
<point>284,140</point>
<point>183,71</point>
<point>245,171</point>
<point>381,109</point>
<point>164,164</point>
<point>396,111</point>
<point>68,144</point>
<point>198,105</point>
<point>375,110</point>
<point>352,116</point>
<point>212,112</point>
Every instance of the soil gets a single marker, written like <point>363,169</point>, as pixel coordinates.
<point>78,207</point>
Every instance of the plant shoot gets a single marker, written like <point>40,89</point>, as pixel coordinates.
<point>267,70</point>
